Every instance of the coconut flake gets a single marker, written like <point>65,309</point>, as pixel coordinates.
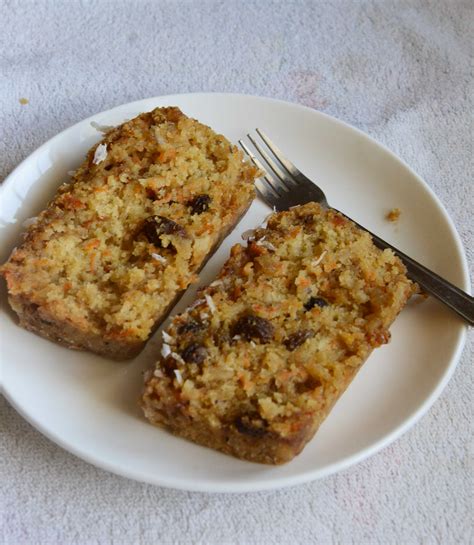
<point>158,373</point>
<point>101,128</point>
<point>266,218</point>
<point>165,350</point>
<point>29,221</point>
<point>100,154</point>
<point>266,244</point>
<point>252,344</point>
<point>196,303</point>
<point>177,357</point>
<point>167,338</point>
<point>159,258</point>
<point>236,338</point>
<point>210,304</point>
<point>204,316</point>
<point>320,258</point>
<point>158,137</point>
<point>248,235</point>
<point>179,377</point>
<point>216,283</point>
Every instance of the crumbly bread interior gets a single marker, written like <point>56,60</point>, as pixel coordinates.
<point>131,229</point>
<point>265,351</point>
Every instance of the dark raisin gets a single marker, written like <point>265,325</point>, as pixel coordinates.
<point>150,193</point>
<point>200,204</point>
<point>190,327</point>
<point>295,339</point>
<point>194,353</point>
<point>156,226</point>
<point>254,427</point>
<point>315,302</point>
<point>253,327</point>
<point>168,365</point>
<point>307,219</point>
<point>308,385</point>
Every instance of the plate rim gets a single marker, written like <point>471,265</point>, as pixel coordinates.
<point>204,485</point>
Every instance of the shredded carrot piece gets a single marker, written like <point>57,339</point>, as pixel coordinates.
<point>293,233</point>
<point>166,156</point>
<point>92,244</point>
<point>303,282</point>
<point>338,220</point>
<point>72,203</point>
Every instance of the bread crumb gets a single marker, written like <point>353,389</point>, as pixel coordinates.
<point>23,101</point>
<point>393,215</point>
<point>419,298</point>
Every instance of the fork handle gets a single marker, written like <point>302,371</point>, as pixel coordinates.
<point>458,300</point>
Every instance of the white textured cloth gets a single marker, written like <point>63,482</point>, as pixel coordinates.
<point>399,70</point>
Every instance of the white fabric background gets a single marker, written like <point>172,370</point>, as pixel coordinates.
<point>399,70</point>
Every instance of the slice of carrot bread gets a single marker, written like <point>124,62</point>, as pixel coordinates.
<point>255,365</point>
<point>111,253</point>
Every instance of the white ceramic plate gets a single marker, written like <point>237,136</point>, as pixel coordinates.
<point>88,404</point>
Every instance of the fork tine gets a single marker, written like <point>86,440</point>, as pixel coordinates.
<point>266,194</point>
<point>272,164</point>
<point>288,165</point>
<point>279,189</point>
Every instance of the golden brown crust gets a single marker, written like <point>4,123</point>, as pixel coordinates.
<point>111,254</point>
<point>255,365</point>
<point>38,320</point>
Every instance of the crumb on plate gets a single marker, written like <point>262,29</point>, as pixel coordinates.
<point>393,215</point>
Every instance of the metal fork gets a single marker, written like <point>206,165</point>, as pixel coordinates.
<point>284,186</point>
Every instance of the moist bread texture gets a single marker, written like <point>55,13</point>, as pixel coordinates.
<point>255,364</point>
<point>102,265</point>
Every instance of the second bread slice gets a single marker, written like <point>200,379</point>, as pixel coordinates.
<point>255,365</point>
